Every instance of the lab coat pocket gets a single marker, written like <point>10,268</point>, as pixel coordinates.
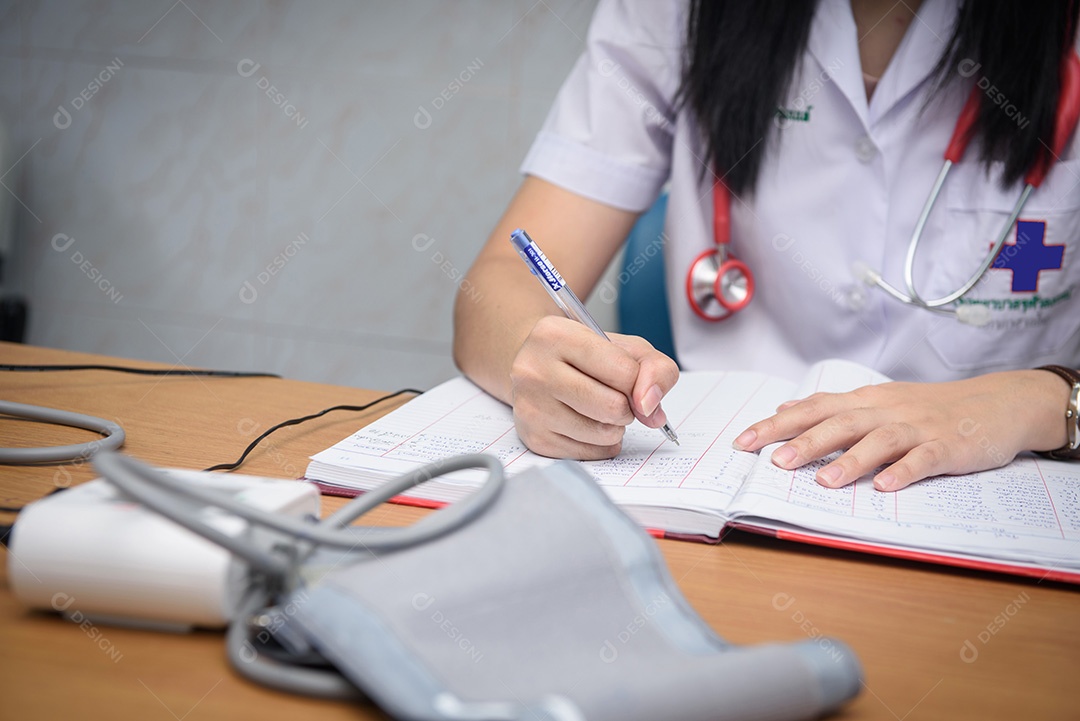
<point>1030,291</point>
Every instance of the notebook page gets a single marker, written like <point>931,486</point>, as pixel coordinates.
<point>1027,511</point>
<point>454,418</point>
<point>707,411</point>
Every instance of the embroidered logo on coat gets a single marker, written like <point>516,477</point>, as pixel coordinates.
<point>803,116</point>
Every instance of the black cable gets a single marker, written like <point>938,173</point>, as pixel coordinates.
<point>296,421</point>
<point>137,371</point>
<point>291,422</point>
<point>229,374</point>
<point>6,529</point>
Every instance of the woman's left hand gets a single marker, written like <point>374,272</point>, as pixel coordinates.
<point>917,430</point>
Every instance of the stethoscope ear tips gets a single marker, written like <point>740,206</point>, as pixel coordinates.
<point>864,273</point>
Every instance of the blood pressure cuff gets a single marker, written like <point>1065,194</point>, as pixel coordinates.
<point>552,605</point>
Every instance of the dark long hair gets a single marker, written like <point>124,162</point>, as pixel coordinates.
<point>741,57</point>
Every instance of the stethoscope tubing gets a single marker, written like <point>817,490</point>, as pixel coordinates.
<point>912,297</point>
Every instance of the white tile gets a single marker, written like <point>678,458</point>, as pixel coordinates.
<point>406,38</point>
<point>13,19</point>
<point>193,29</point>
<point>548,41</point>
<point>375,184</point>
<point>190,340</point>
<point>180,179</point>
<point>153,181</point>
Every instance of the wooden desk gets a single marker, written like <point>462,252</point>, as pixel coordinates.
<point>907,622</point>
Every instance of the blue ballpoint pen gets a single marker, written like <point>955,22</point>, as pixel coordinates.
<point>561,293</point>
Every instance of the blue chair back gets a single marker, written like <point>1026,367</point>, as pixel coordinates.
<point>642,303</point>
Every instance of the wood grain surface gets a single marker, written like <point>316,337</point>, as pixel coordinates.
<point>935,642</point>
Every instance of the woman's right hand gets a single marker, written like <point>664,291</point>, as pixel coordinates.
<point>570,389</point>
<point>574,393</point>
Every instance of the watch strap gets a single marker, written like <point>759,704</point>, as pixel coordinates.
<point>1071,449</point>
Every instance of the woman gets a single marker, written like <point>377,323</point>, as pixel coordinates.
<point>825,123</point>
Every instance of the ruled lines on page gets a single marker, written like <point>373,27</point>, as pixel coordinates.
<point>707,409</point>
<point>1028,510</point>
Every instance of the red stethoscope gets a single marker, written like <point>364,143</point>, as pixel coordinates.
<point>718,285</point>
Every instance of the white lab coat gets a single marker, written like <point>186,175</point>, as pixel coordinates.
<point>845,184</point>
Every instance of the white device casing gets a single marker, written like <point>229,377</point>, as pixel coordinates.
<point>89,552</point>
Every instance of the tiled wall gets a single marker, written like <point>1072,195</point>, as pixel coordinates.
<point>270,185</point>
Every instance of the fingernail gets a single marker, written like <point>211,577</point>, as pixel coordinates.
<point>651,400</point>
<point>885,481</point>
<point>783,456</point>
<point>829,475</point>
<point>745,440</point>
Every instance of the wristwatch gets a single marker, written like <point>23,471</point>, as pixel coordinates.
<point>1071,449</point>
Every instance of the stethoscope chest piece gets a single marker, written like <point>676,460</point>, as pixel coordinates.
<point>718,286</point>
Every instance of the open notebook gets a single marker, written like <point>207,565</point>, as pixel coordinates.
<point>1024,518</point>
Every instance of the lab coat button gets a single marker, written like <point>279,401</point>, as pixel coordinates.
<point>865,150</point>
<point>853,296</point>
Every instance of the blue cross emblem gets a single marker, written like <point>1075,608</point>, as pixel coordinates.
<point>1029,255</point>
